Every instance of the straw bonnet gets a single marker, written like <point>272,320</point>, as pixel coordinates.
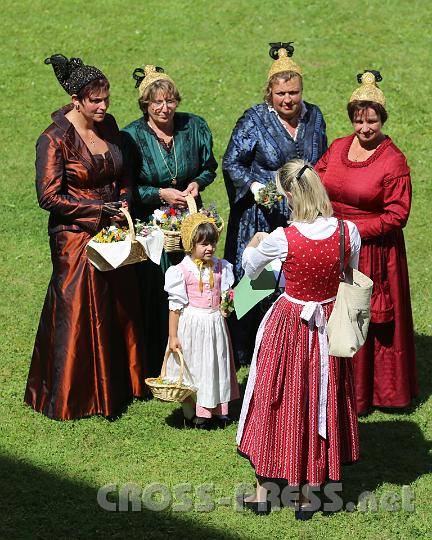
<point>145,77</point>
<point>281,53</point>
<point>189,226</point>
<point>368,90</point>
<point>72,73</point>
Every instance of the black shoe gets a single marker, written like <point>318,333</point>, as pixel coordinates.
<point>304,513</point>
<point>206,424</point>
<point>221,421</point>
<point>258,508</point>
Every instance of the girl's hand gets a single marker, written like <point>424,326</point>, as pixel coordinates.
<point>224,313</point>
<point>173,197</point>
<point>192,189</point>
<point>174,344</point>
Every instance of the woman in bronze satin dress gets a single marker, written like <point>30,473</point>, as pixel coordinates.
<point>88,356</point>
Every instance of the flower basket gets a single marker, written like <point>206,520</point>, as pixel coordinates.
<point>172,239</point>
<point>170,391</point>
<point>109,256</point>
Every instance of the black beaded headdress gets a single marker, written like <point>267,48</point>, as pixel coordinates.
<point>72,73</point>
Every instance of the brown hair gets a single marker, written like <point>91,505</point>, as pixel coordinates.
<point>167,87</point>
<point>205,233</point>
<point>356,106</point>
<point>282,76</point>
<point>92,88</point>
<point>309,197</point>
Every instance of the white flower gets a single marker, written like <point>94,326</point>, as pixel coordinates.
<point>158,214</point>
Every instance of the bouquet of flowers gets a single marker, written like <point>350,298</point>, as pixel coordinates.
<point>115,233</point>
<point>169,218</point>
<point>214,215</point>
<point>110,234</point>
<point>227,302</point>
<point>268,196</point>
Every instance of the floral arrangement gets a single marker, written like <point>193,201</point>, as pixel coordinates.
<point>113,233</point>
<point>268,196</point>
<point>169,218</point>
<point>212,214</point>
<point>227,301</point>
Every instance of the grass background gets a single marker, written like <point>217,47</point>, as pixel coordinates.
<point>216,51</point>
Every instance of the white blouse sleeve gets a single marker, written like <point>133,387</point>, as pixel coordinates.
<point>274,246</point>
<point>176,288</point>
<point>227,279</point>
<point>355,243</point>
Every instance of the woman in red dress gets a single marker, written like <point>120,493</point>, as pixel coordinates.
<point>88,356</point>
<point>368,182</point>
<point>298,419</point>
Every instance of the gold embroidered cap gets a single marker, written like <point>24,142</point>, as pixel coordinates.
<point>281,53</point>
<point>145,77</point>
<point>189,226</point>
<point>368,90</point>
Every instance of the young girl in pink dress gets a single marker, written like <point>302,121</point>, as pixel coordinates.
<point>298,420</point>
<point>197,324</point>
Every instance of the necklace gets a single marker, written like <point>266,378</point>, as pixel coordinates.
<point>173,176</point>
<point>92,141</point>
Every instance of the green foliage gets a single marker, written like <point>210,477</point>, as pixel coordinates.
<point>217,54</point>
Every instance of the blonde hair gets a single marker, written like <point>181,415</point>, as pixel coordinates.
<point>309,197</point>
<point>283,76</point>
<point>167,87</point>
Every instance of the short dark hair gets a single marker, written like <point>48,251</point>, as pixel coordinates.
<point>207,233</point>
<point>356,106</point>
<point>93,87</point>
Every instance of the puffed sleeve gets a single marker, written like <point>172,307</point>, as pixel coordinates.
<point>321,164</point>
<point>176,288</point>
<point>227,280</point>
<point>239,156</point>
<point>143,193</point>
<point>274,246</point>
<point>50,170</point>
<point>207,161</point>
<point>397,193</point>
<point>355,243</point>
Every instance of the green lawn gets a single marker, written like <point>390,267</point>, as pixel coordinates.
<point>217,53</point>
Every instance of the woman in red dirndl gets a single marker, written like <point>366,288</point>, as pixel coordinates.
<point>298,420</point>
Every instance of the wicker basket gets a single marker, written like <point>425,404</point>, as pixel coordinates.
<point>137,252</point>
<point>172,239</point>
<point>173,391</point>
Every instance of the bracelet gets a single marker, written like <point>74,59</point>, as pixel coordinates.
<point>160,196</point>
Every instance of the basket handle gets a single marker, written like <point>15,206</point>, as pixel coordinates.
<point>180,361</point>
<point>130,223</point>
<point>191,204</point>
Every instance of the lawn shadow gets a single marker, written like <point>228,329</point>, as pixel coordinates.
<point>424,368</point>
<point>394,452</point>
<point>39,504</point>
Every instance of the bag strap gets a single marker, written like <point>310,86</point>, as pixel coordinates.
<point>341,250</point>
<point>383,260</point>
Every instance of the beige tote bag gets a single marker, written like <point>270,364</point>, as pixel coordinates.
<point>348,323</point>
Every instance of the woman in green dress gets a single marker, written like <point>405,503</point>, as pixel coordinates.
<point>170,156</point>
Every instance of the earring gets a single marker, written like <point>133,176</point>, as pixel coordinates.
<point>77,107</point>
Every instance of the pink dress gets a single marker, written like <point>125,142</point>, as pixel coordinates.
<point>281,422</point>
<point>202,332</point>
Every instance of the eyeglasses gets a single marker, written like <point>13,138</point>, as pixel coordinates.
<point>158,104</point>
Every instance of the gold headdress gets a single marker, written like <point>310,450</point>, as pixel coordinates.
<point>281,53</point>
<point>189,226</point>
<point>145,77</point>
<point>368,90</point>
